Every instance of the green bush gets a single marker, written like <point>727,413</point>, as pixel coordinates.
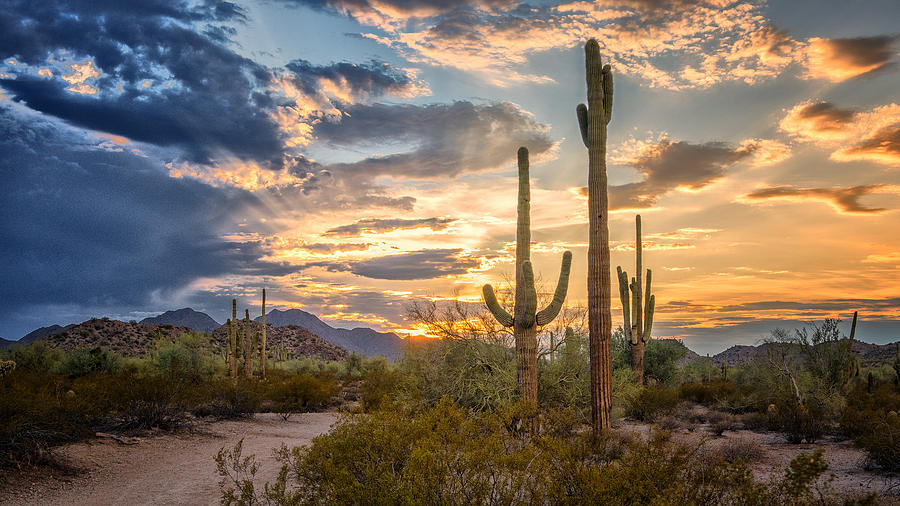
<point>872,422</point>
<point>661,359</point>
<point>84,361</point>
<point>445,455</point>
<point>297,393</point>
<point>651,402</point>
<point>187,357</point>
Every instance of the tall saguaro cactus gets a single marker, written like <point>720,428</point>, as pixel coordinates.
<point>638,326</point>
<point>262,340</point>
<point>593,119</point>
<point>248,348</point>
<point>526,318</point>
<point>232,339</point>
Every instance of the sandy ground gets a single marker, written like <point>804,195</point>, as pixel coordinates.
<point>165,469</point>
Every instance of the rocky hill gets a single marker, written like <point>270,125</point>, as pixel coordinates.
<point>297,341</point>
<point>186,317</point>
<point>5,343</point>
<point>42,332</point>
<point>361,340</point>
<point>868,353</point>
<point>128,339</point>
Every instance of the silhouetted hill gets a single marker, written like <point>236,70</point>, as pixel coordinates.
<point>128,339</point>
<point>186,317</point>
<point>298,341</point>
<point>42,332</point>
<point>739,354</point>
<point>5,343</point>
<point>361,340</point>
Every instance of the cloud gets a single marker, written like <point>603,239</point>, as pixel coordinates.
<point>872,135</point>
<point>666,165</point>
<point>843,200</point>
<point>671,44</point>
<point>380,226</point>
<point>422,264</point>
<point>837,60</point>
<point>449,139</point>
<point>889,258</point>
<point>882,146</point>
<point>87,226</point>
<point>352,82</point>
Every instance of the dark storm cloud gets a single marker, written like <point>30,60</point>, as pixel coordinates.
<point>673,164</point>
<point>450,139</point>
<point>373,79</point>
<point>844,199</point>
<point>215,106</point>
<point>377,226</point>
<point>83,226</point>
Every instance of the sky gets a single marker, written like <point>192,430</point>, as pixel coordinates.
<point>353,156</point>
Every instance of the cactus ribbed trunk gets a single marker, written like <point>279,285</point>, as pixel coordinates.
<point>593,120</point>
<point>232,336</point>
<point>637,349</point>
<point>526,318</point>
<point>248,346</point>
<point>262,343</point>
<point>641,312</point>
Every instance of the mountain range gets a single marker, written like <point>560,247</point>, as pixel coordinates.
<point>361,340</point>
<point>186,317</point>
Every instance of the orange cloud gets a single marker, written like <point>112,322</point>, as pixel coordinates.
<point>837,60</point>
<point>872,135</point>
<point>843,200</point>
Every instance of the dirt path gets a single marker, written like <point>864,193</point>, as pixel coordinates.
<point>169,469</point>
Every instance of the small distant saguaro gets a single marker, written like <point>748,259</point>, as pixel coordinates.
<point>233,340</point>
<point>638,320</point>
<point>526,318</point>
<point>262,340</point>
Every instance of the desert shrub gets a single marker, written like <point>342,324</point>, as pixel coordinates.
<point>83,361</point>
<point>223,398</point>
<point>36,357</point>
<point>661,359</point>
<point>754,420</point>
<point>446,455</point>
<point>669,423</point>
<point>872,422</point>
<point>719,422</point>
<point>36,414</point>
<point>133,401</point>
<point>186,357</point>
<point>799,422</point>
<point>739,450</point>
<point>379,387</point>
<point>651,402</point>
<point>298,393</point>
<point>720,394</point>
<point>475,373</point>
<point>565,382</point>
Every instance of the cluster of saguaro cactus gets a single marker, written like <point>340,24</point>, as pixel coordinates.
<point>638,313</point>
<point>240,341</point>
<point>526,318</point>
<point>593,119</point>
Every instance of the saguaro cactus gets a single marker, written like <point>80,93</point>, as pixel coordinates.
<point>248,346</point>
<point>262,340</point>
<point>593,119</point>
<point>637,327</point>
<point>526,318</point>
<point>232,339</point>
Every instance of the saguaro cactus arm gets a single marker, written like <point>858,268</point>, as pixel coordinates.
<point>547,314</point>
<point>649,306</point>
<point>499,313</point>
<point>626,302</point>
